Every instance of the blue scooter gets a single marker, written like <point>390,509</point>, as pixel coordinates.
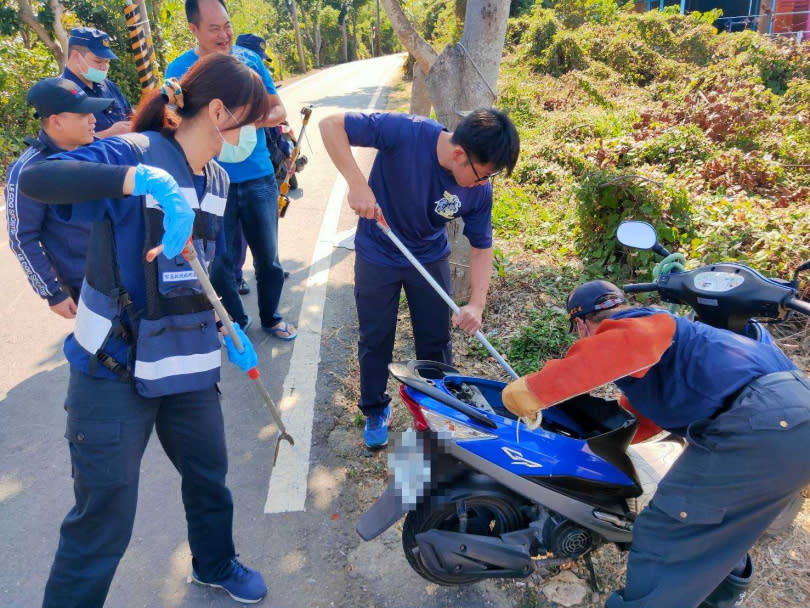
<point>485,497</point>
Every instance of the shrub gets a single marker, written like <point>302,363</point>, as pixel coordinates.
<point>676,147</point>
<point>516,29</point>
<point>20,68</point>
<point>574,13</point>
<point>542,31</point>
<point>563,55</point>
<point>606,198</point>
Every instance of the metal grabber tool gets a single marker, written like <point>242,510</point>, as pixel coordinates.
<point>383,225</point>
<point>190,255</point>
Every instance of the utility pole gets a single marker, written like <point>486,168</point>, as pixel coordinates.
<point>372,40</point>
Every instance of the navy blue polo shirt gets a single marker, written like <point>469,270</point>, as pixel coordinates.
<point>416,194</point>
<point>118,111</point>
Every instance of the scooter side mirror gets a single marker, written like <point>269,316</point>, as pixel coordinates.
<point>639,235</point>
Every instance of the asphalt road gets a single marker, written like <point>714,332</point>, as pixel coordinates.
<point>300,534</point>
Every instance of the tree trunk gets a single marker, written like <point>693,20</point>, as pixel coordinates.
<point>311,36</point>
<point>465,76</point>
<point>420,98</point>
<point>156,34</point>
<point>297,28</point>
<point>317,41</point>
<point>354,36</point>
<point>377,34</point>
<point>59,43</point>
<point>407,34</point>
<point>345,40</point>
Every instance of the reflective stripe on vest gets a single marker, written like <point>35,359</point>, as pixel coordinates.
<point>94,316</point>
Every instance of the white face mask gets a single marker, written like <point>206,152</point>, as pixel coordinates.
<point>230,153</point>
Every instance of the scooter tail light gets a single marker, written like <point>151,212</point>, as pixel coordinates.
<point>419,422</point>
<point>425,419</point>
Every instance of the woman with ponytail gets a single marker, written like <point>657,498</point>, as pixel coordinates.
<point>145,351</point>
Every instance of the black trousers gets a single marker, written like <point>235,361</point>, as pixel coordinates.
<point>108,427</point>
<point>376,293</point>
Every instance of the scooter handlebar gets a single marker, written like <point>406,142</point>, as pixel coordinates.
<point>640,287</point>
<point>798,305</point>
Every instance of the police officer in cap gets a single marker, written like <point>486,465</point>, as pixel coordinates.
<point>254,43</point>
<point>89,57</point>
<point>51,250</point>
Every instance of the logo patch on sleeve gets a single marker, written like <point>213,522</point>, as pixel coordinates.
<point>448,205</point>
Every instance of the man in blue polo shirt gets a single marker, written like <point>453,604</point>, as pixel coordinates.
<point>88,61</point>
<point>423,177</point>
<point>51,250</point>
<point>253,193</point>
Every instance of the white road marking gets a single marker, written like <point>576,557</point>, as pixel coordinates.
<point>288,482</point>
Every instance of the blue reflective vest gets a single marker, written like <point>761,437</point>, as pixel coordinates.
<point>174,345</point>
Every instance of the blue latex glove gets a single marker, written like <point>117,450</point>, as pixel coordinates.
<point>247,359</point>
<point>178,217</point>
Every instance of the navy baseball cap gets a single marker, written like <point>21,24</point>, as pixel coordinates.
<point>590,297</point>
<point>57,95</point>
<point>254,43</point>
<point>97,41</point>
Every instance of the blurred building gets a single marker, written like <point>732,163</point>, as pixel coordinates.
<point>772,17</point>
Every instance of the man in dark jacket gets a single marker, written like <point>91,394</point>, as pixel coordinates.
<point>50,250</point>
<point>743,407</point>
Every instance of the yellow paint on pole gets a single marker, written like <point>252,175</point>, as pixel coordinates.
<point>141,44</point>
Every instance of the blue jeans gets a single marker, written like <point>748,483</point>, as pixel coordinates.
<point>239,261</point>
<point>376,293</point>
<point>253,205</point>
<point>108,427</point>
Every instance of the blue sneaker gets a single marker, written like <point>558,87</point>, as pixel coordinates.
<point>243,584</point>
<point>376,432</point>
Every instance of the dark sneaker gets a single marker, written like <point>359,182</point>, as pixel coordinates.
<point>244,288</point>
<point>243,584</point>
<point>375,435</point>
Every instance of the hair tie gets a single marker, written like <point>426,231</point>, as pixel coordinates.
<point>173,93</point>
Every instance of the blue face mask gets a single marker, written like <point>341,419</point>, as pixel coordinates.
<point>94,74</point>
<point>247,142</point>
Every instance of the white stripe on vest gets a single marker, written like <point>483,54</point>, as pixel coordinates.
<point>91,328</point>
<point>177,365</point>
<point>213,204</point>
<point>190,194</point>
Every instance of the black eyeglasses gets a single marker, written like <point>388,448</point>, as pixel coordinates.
<point>479,178</point>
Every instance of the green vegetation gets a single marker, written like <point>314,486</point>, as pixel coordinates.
<point>654,116</point>
<point>651,116</point>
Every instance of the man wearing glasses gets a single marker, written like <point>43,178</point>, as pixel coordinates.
<point>423,177</point>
